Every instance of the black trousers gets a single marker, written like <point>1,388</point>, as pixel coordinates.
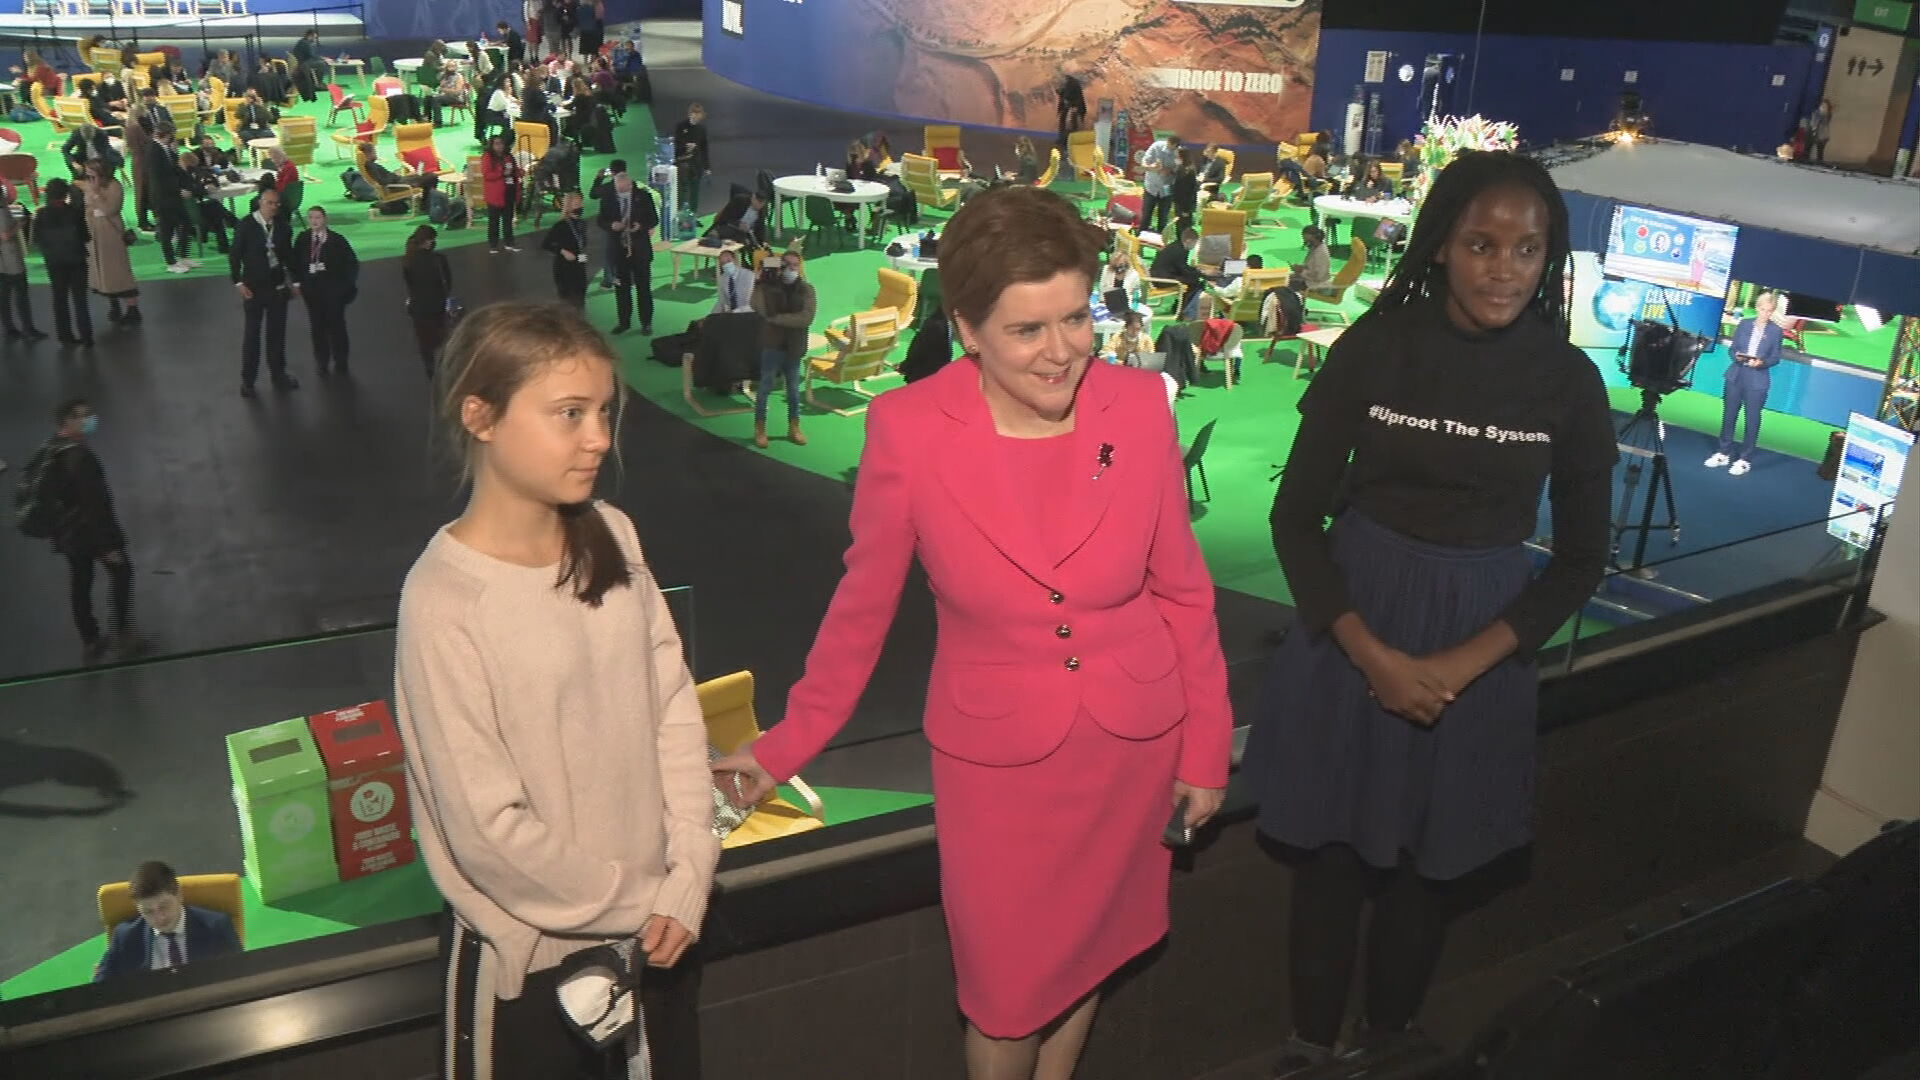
<point>634,279</point>
<point>570,281</point>
<point>268,307</point>
<point>175,231</point>
<point>1154,210</point>
<point>213,223</point>
<point>429,331</point>
<point>80,590</point>
<point>1409,925</point>
<point>69,282</point>
<point>327,322</point>
<point>16,313</point>
<point>529,1041</point>
<point>500,224</point>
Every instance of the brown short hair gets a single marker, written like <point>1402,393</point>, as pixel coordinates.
<point>151,878</point>
<point>1009,236</point>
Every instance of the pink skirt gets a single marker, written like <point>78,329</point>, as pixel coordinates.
<point>1052,874</point>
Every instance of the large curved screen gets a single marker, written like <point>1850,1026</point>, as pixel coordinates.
<point>1235,73</point>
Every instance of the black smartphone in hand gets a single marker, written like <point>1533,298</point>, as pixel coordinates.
<point>1178,834</point>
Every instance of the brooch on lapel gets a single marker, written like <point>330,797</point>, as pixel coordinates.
<point>1106,458</point>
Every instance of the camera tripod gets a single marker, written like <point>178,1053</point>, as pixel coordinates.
<point>1643,439</point>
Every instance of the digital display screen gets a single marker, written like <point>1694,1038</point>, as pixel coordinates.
<point>1670,250</point>
<point>273,750</point>
<point>1871,463</point>
<point>356,731</point>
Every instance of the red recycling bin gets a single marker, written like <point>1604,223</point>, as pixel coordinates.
<point>366,788</point>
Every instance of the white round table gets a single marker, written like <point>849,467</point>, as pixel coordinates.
<point>411,63</point>
<point>232,190</point>
<point>1398,210</point>
<point>803,186</point>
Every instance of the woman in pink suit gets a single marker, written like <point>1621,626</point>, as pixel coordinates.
<point>1078,693</point>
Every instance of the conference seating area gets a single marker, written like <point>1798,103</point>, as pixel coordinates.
<point>1674,921</point>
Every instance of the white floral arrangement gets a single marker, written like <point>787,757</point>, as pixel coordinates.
<point>1442,139</point>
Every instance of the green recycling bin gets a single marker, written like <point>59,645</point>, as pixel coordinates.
<point>280,789</point>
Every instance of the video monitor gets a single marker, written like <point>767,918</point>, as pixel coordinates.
<point>1671,250</point>
<point>1871,464</point>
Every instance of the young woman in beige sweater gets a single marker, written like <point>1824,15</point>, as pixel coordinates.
<point>555,747</point>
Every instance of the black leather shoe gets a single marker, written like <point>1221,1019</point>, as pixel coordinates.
<point>286,382</point>
<point>36,335</point>
<point>247,391</point>
<point>622,328</point>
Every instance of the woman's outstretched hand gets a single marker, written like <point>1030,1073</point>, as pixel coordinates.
<point>755,783</point>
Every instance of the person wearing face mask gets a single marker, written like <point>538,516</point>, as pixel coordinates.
<point>786,302</point>
<point>734,284</point>
<point>1078,693</point>
<point>86,530</point>
<point>567,240</point>
<point>326,273</point>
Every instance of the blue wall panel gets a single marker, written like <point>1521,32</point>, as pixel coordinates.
<point>417,19</point>
<point>1720,95</point>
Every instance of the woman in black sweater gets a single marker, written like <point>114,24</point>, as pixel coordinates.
<point>1395,756</point>
<point>429,285</point>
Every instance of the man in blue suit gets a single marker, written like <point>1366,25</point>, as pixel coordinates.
<point>167,933</point>
<point>1756,349</point>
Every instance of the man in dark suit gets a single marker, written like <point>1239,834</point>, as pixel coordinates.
<point>167,933</point>
<point>628,215</point>
<point>743,219</point>
<point>1173,263</point>
<point>1756,349</point>
<point>516,45</point>
<point>326,272</point>
<point>259,263</point>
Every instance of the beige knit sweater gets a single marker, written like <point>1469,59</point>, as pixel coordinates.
<point>556,755</point>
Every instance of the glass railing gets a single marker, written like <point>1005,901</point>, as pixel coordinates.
<point>149,738</point>
<point>103,770</point>
<point>1833,554</point>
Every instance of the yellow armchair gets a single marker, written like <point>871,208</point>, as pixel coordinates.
<point>1253,290</point>
<point>872,336</point>
<point>921,175</point>
<point>531,138</point>
<point>1053,169</point>
<point>412,137</point>
<point>1229,223</point>
<point>943,137</point>
<point>215,892</point>
<point>898,291</point>
<point>727,704</point>
<point>1256,190</point>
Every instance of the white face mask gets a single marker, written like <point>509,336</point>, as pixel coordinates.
<point>789,276</point>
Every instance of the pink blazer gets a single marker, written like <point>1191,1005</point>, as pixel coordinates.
<point>1120,622</point>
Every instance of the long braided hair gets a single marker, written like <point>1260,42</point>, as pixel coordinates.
<point>1420,274</point>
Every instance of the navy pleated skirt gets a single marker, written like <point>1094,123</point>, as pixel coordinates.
<point>1328,764</point>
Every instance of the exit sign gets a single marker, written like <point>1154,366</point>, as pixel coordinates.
<point>1895,15</point>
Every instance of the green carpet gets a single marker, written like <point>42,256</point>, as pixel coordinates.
<point>1256,420</point>
<point>400,893</point>
<point>381,237</point>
